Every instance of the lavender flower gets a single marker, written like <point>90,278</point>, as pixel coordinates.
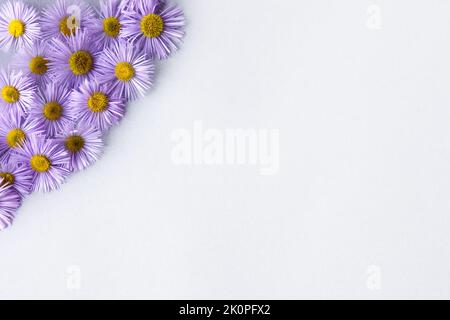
<point>14,130</point>
<point>97,105</point>
<point>10,201</point>
<point>34,63</point>
<point>19,25</point>
<point>108,26</point>
<point>51,109</point>
<point>46,161</point>
<point>72,78</point>
<point>16,92</point>
<point>83,144</point>
<point>154,26</point>
<point>126,70</point>
<point>73,60</point>
<point>17,176</point>
<point>66,18</point>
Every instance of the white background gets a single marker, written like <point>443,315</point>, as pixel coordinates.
<point>359,208</point>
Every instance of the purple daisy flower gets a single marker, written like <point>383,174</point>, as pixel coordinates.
<point>97,105</point>
<point>51,109</point>
<point>14,130</point>
<point>10,201</point>
<point>17,176</point>
<point>66,18</point>
<point>46,161</point>
<point>19,25</point>
<point>16,93</point>
<point>73,60</point>
<point>108,26</point>
<point>154,26</point>
<point>126,70</point>
<point>84,145</point>
<point>34,63</point>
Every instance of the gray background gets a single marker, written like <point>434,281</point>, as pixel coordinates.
<point>359,208</point>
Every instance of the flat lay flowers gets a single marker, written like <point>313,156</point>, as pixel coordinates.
<point>74,69</point>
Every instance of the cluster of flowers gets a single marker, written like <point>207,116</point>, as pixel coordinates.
<point>76,68</point>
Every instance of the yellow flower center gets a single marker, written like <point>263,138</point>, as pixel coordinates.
<point>16,28</point>
<point>111,26</point>
<point>152,25</point>
<point>8,179</point>
<point>74,143</point>
<point>38,65</point>
<point>10,94</point>
<point>40,163</point>
<point>80,62</point>
<point>98,102</point>
<point>125,71</point>
<point>52,111</point>
<point>15,138</point>
<point>67,27</point>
